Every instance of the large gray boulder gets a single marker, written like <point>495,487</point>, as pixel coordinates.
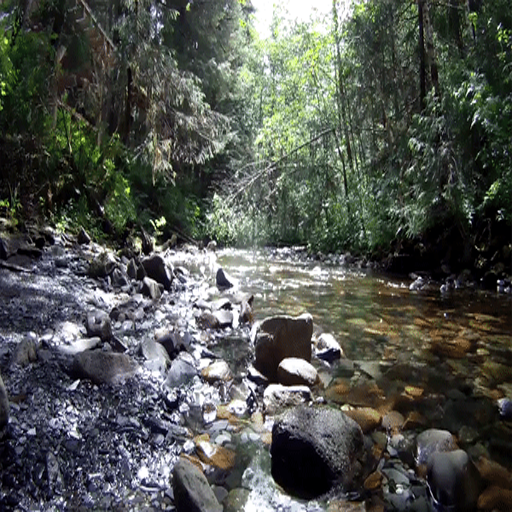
<point>316,449</point>
<point>192,493</point>
<point>4,405</point>
<point>156,268</point>
<point>279,337</point>
<point>103,367</point>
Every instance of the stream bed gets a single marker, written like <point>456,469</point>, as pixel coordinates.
<point>413,360</point>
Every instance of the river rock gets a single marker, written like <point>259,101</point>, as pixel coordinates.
<point>327,348</point>
<point>103,367</point>
<point>294,371</point>
<point>80,345</point>
<point>495,498</point>
<point>98,324</point>
<point>431,441</point>
<point>131,269</point>
<point>224,317</point>
<point>216,455</point>
<point>83,237</point>
<point>217,371</point>
<point>192,493</point>
<point>151,288</point>
<point>315,449</point>
<point>453,481</point>
<point>25,352</point>
<point>224,280</point>
<point>155,354</point>
<point>366,417</point>
<point>279,337</point>
<point>4,405</point>
<point>156,268</point>
<point>102,265</point>
<point>182,370</point>
<point>276,397</point>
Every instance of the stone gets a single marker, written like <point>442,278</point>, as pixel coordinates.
<point>236,500</point>
<point>102,265</point>
<point>192,493</point>
<point>453,481</point>
<point>118,278</point>
<point>83,237</point>
<point>217,371</point>
<point>103,367</point>
<point>494,473</point>
<point>156,268</point>
<point>224,317</point>
<point>155,354</point>
<point>316,449</point>
<point>4,405</point>
<point>277,397</point>
<point>327,348</point>
<point>131,269</point>
<point>294,371</point>
<point>151,288</point>
<point>80,345</point>
<point>3,250</point>
<point>224,280</point>
<point>279,337</point>
<point>393,421</point>
<point>207,320</point>
<point>456,348</point>
<point>495,498</point>
<point>431,441</point>
<point>25,352</point>
<point>98,324</point>
<point>366,417</point>
<point>182,370</point>
<point>216,455</point>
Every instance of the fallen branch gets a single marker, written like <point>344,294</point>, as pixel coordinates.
<point>273,165</point>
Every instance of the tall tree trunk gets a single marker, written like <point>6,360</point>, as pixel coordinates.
<point>421,49</point>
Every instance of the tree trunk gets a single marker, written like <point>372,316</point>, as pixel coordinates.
<point>423,74</point>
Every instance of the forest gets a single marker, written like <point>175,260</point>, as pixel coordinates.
<point>384,127</point>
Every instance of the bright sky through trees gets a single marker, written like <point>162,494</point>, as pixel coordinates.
<point>300,9</point>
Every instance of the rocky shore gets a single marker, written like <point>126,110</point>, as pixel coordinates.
<point>136,382</point>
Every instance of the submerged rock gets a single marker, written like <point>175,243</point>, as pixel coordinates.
<point>453,481</point>
<point>279,337</point>
<point>316,449</point>
<point>192,493</point>
<point>431,441</point>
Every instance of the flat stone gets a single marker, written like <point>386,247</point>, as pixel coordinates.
<point>216,455</point>
<point>367,418</point>
<point>103,367</point>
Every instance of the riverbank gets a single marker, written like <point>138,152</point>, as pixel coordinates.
<point>179,381</point>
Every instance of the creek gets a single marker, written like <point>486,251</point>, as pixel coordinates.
<point>415,359</point>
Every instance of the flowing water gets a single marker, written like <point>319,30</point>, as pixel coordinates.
<point>444,357</point>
